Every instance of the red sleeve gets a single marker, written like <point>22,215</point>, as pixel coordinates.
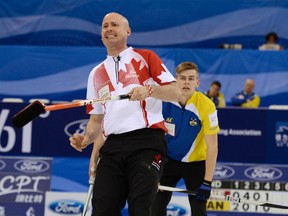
<point>157,70</point>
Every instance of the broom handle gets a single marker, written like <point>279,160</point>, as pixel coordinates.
<point>84,102</point>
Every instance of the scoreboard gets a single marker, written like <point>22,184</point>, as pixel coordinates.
<point>263,183</point>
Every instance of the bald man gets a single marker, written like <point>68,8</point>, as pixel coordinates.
<point>247,98</point>
<point>132,150</point>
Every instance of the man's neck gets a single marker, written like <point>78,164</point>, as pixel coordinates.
<point>249,93</point>
<point>116,50</point>
<point>184,99</point>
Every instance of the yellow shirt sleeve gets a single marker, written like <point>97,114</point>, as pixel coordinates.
<point>209,118</point>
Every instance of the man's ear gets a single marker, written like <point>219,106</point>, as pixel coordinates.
<point>129,31</point>
<point>197,83</point>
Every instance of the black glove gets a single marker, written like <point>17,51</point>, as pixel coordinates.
<point>204,191</point>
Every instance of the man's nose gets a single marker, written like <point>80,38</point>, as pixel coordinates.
<point>108,29</point>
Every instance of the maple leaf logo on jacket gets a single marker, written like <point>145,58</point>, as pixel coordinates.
<point>132,74</point>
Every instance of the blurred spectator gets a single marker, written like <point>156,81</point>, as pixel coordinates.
<point>247,97</point>
<point>271,42</point>
<point>215,95</point>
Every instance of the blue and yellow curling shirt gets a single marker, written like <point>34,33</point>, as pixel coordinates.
<point>187,126</point>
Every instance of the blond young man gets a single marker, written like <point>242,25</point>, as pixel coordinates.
<point>191,142</point>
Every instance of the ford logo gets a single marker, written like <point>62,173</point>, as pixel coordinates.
<point>2,164</point>
<point>176,210</point>
<point>67,207</point>
<point>31,166</point>
<point>223,172</point>
<point>76,127</point>
<point>263,173</point>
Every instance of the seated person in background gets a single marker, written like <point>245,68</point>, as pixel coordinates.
<point>247,98</point>
<point>215,95</point>
<point>271,42</point>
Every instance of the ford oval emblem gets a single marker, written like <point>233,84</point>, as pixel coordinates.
<point>263,173</point>
<point>176,210</point>
<point>31,166</point>
<point>78,126</point>
<point>223,172</point>
<point>66,207</point>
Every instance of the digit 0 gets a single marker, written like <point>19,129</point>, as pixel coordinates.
<point>256,196</point>
<point>245,207</point>
<point>216,184</point>
<point>266,209</point>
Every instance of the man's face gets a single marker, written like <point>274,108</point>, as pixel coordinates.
<point>249,86</point>
<point>214,90</point>
<point>187,81</point>
<point>115,30</point>
<point>271,40</point>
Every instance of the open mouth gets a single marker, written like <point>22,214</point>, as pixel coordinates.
<point>109,36</point>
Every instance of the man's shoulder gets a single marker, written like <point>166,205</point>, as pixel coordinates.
<point>221,95</point>
<point>143,51</point>
<point>202,98</point>
<point>202,103</point>
<point>99,65</point>
<point>256,96</point>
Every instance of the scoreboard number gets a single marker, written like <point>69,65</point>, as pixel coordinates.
<point>270,192</point>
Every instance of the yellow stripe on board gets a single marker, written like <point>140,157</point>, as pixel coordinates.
<point>218,205</point>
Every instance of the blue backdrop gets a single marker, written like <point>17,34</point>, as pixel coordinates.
<point>59,73</point>
<point>165,23</point>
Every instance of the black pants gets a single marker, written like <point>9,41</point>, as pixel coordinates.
<point>193,175</point>
<point>130,168</point>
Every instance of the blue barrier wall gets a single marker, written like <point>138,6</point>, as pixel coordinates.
<point>257,136</point>
<point>253,135</point>
<point>247,135</point>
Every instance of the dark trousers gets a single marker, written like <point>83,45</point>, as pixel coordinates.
<point>130,168</point>
<point>193,175</point>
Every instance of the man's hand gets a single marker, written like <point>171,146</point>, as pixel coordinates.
<point>78,142</point>
<point>204,191</point>
<point>139,93</point>
<point>92,171</point>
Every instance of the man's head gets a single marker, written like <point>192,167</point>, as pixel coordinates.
<point>115,31</point>
<point>187,76</point>
<point>249,86</point>
<point>214,89</point>
<point>271,38</point>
